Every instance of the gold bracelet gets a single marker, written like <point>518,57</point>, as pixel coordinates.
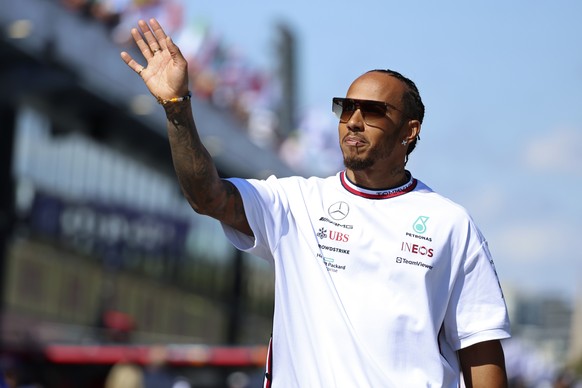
<point>175,99</point>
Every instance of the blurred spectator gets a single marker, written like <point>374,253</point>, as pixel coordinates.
<point>125,375</point>
<point>115,326</point>
<point>107,12</point>
<point>238,380</point>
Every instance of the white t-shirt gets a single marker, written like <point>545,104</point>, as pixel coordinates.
<point>372,288</point>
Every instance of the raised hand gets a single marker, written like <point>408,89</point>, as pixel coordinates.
<point>166,71</point>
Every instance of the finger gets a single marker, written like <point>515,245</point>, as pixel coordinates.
<point>133,65</point>
<point>159,33</point>
<point>151,40</point>
<point>179,62</point>
<point>175,52</point>
<point>141,44</point>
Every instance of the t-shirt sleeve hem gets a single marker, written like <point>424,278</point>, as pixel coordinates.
<point>238,239</point>
<point>487,335</point>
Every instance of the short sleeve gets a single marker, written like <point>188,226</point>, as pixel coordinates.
<point>266,208</point>
<point>476,310</point>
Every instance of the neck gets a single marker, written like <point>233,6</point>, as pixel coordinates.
<point>375,179</point>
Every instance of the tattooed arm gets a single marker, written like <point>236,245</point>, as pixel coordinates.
<point>205,191</point>
<point>166,76</point>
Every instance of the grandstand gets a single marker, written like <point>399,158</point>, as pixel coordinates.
<point>101,257</point>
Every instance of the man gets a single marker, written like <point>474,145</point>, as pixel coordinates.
<point>380,282</point>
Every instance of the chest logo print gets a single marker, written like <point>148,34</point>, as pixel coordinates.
<point>339,210</point>
<point>419,225</point>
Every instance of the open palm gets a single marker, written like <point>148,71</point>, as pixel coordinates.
<point>166,72</point>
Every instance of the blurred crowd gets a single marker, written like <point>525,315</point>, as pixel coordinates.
<point>221,74</point>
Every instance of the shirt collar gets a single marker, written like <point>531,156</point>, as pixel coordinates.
<point>375,193</point>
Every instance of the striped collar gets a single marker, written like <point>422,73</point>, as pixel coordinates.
<point>377,194</point>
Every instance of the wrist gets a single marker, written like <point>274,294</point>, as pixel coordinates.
<point>174,100</point>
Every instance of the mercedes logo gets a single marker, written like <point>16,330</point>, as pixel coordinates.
<point>339,210</point>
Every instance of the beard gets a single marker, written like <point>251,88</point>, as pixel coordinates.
<point>355,163</point>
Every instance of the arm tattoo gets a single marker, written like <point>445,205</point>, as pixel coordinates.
<point>206,192</point>
<point>193,164</point>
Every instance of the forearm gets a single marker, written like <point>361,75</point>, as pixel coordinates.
<point>193,164</point>
<point>206,192</point>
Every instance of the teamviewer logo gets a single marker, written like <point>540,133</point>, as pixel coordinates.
<point>399,259</point>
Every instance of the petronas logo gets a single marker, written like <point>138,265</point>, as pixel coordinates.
<point>419,225</point>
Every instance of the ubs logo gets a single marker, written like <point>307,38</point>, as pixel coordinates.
<point>333,235</point>
<point>339,210</point>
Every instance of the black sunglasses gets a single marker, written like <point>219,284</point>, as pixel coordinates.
<point>373,112</point>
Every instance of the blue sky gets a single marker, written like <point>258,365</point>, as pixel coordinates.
<point>502,84</point>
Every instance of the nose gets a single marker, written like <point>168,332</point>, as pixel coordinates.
<point>356,121</point>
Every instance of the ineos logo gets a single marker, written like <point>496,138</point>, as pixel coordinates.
<point>339,210</point>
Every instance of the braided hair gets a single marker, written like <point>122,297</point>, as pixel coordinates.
<point>413,108</point>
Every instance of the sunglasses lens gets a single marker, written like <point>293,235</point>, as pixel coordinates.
<point>348,109</point>
<point>372,111</point>
<point>343,108</point>
<point>337,107</point>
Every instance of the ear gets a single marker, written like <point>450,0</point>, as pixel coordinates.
<point>413,130</point>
